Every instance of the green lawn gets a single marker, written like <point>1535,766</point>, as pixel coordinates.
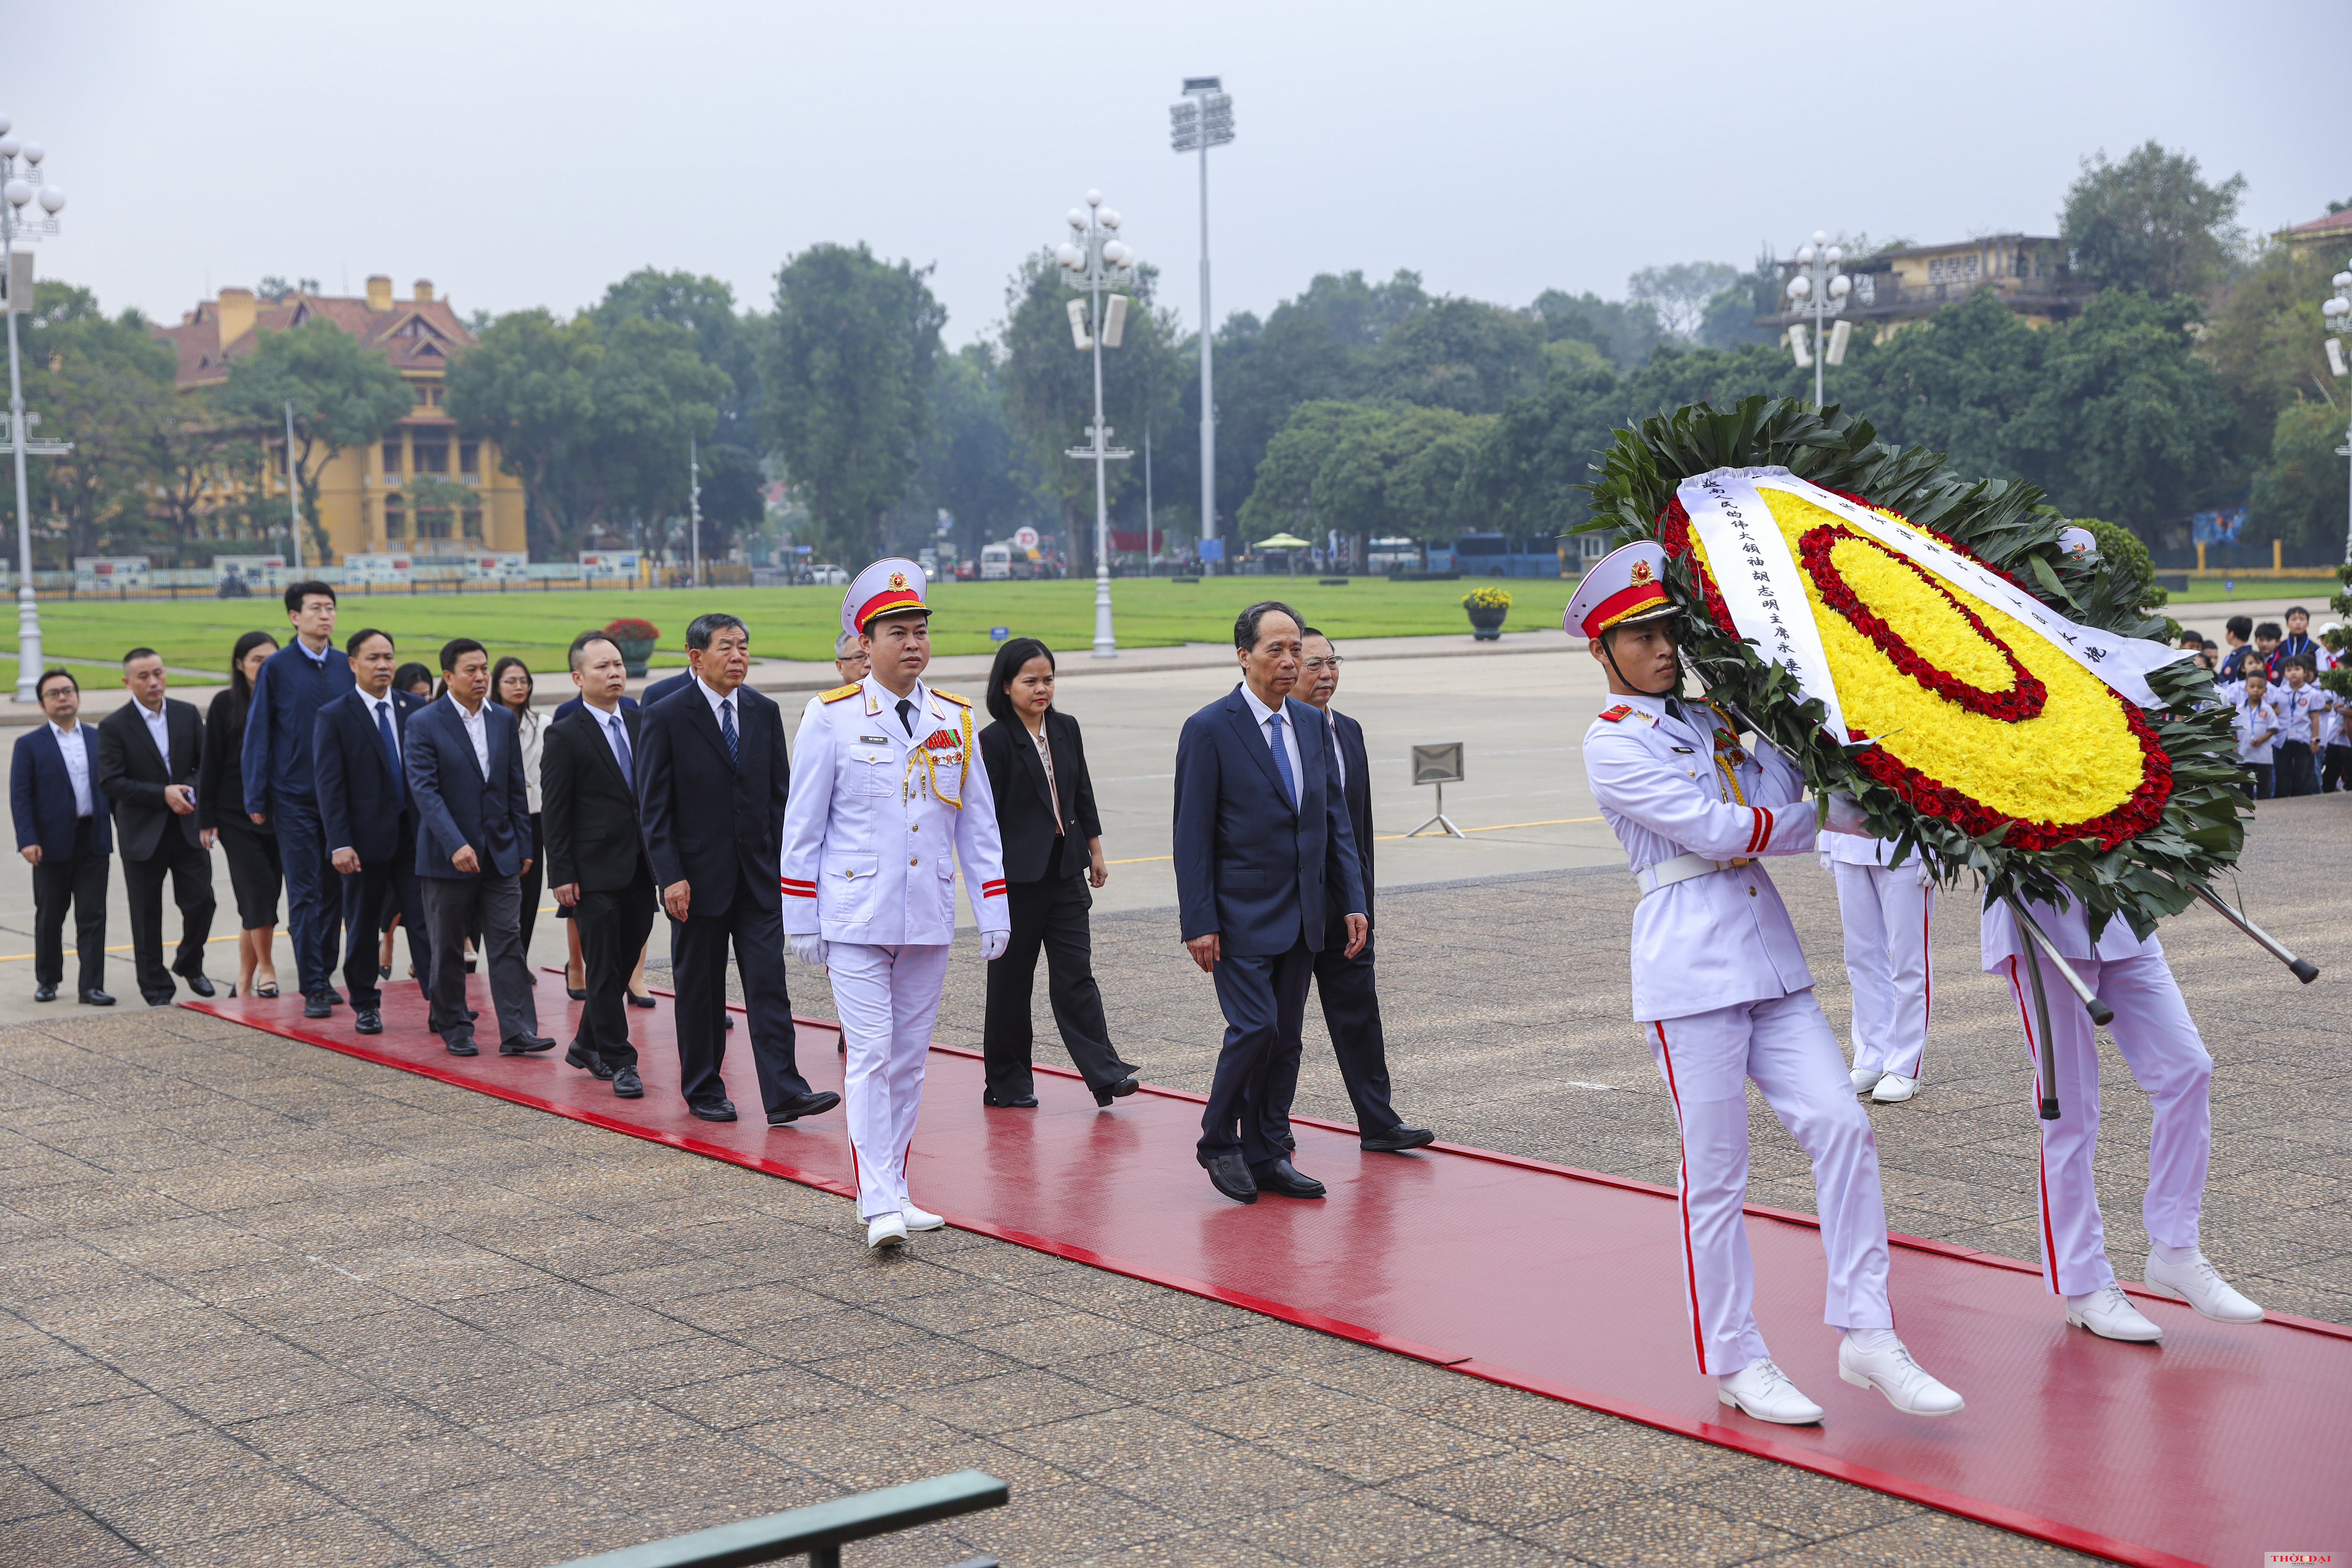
<point>787,623</point>
<point>2313,591</point>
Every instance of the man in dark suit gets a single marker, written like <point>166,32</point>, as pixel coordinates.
<point>148,754</point>
<point>712,780</point>
<point>295,683</point>
<point>1263,850</point>
<point>596,862</point>
<point>1352,1003</point>
<point>473,843</point>
<point>369,819</point>
<point>64,833</point>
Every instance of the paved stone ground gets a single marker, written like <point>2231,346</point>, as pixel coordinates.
<point>267,1305</point>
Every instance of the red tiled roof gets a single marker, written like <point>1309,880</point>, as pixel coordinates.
<point>403,332</point>
<point>2320,225</point>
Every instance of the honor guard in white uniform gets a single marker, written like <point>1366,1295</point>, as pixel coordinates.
<point>2160,1043</point>
<point>889,793</point>
<point>1885,909</point>
<point>1722,991</point>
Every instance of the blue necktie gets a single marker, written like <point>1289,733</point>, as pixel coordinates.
<point>727,730</point>
<point>621,750</point>
<point>392,753</point>
<point>1282,761</point>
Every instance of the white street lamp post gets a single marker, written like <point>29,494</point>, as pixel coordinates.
<point>694,504</point>
<point>2337,311</point>
<point>1095,259</point>
<point>15,228</point>
<point>1819,290</point>
<point>1204,121</point>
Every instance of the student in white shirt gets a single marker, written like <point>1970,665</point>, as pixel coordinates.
<point>2257,724</point>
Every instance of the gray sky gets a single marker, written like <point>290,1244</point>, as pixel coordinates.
<point>529,154</point>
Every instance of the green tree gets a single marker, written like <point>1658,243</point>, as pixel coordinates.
<point>1364,467</point>
<point>651,391</point>
<point>2151,222</point>
<point>847,365</point>
<point>1626,332</point>
<point>2265,339</point>
<point>1457,354</point>
<point>972,465</point>
<point>1681,294</point>
<point>2300,492</point>
<point>529,384</point>
<point>1527,478</point>
<point>723,337</point>
<point>342,396</point>
<point>105,384</point>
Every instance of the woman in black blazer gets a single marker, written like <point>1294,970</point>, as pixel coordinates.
<point>251,851</point>
<point>1044,808</point>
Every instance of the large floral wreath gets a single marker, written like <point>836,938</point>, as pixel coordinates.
<point>1985,750</point>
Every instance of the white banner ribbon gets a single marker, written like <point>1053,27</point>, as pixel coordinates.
<point>1760,580</point>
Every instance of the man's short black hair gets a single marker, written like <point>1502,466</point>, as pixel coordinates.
<point>702,628</point>
<point>135,655</point>
<point>41,687</point>
<point>2294,610</point>
<point>1306,632</point>
<point>457,648</point>
<point>358,639</point>
<point>2239,626</point>
<point>583,640</point>
<point>1245,624</point>
<point>2269,629</point>
<point>297,592</point>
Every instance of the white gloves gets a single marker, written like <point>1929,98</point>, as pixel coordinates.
<point>992,944</point>
<point>809,950</point>
<point>1845,816</point>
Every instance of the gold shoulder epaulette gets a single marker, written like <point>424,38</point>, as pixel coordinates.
<point>952,697</point>
<point>838,692</point>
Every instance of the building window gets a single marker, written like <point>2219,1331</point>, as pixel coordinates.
<point>423,394</point>
<point>395,520</point>
<point>1955,269</point>
<point>469,458</point>
<point>431,455</point>
<point>474,524</point>
<point>433,395</point>
<point>433,523</point>
<point>391,457</point>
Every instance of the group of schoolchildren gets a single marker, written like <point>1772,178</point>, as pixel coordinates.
<point>2293,734</point>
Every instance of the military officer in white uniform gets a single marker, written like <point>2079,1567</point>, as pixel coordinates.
<point>1885,909</point>
<point>889,793</point>
<point>1722,991</point>
<point>2160,1043</point>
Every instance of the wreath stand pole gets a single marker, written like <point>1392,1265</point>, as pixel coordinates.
<point>2303,969</point>
<point>2040,947</point>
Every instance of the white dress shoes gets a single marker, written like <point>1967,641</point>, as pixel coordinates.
<point>1764,1391</point>
<point>2201,1285</point>
<point>889,1230</point>
<point>1889,1369</point>
<point>1893,1089</point>
<point>2108,1313</point>
<point>920,1219</point>
<point>1865,1079</point>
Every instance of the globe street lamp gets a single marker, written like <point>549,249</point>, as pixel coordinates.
<point>1095,259</point>
<point>1819,288</point>
<point>20,184</point>
<point>2337,311</point>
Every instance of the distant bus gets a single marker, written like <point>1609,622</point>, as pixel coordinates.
<point>1494,556</point>
<point>995,562</point>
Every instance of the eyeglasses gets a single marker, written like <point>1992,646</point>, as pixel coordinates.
<point>1316,665</point>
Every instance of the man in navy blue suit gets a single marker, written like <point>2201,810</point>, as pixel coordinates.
<point>1262,841</point>
<point>295,683</point>
<point>64,833</point>
<point>473,844</point>
<point>370,819</point>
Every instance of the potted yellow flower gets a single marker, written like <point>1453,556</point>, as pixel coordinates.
<point>1488,607</point>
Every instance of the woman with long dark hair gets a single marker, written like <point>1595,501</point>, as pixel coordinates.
<point>1053,850</point>
<point>254,870</point>
<point>510,684</point>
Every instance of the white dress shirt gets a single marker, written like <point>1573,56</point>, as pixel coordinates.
<point>379,713</point>
<point>77,756</point>
<point>529,728</point>
<point>1289,740</point>
<point>478,729</point>
<point>720,707</point>
<point>159,730</point>
<point>1338,755</point>
<point>616,735</point>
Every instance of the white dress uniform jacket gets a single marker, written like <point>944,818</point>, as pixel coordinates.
<point>879,819</point>
<point>1723,938</point>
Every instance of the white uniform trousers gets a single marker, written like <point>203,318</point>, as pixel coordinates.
<point>2158,1041</point>
<point>1786,1046</point>
<point>1886,911</point>
<point>888,998</point>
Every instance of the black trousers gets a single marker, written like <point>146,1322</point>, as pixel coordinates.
<point>2264,777</point>
<point>190,868</point>
<point>2295,774</point>
<point>1351,1012</point>
<point>533,882</point>
<point>1263,997</point>
<point>699,946</point>
<point>454,906</point>
<point>77,880</point>
<point>377,887</point>
<point>2337,772</point>
<point>1049,915</point>
<point>613,931</point>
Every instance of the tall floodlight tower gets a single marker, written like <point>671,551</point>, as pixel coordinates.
<point>1204,119</point>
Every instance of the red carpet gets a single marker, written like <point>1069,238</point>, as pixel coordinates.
<point>2215,1447</point>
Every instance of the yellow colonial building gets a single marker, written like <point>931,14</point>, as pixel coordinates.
<point>366,496</point>
<point>2026,272</point>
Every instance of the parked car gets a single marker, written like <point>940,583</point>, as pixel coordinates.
<point>829,576</point>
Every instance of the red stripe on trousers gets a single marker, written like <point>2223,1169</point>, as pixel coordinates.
<point>1682,1201</point>
<point>2041,1158</point>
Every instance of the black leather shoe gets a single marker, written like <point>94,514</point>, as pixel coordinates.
<point>814,1104</point>
<point>1008,1101</point>
<point>201,984</point>
<point>316,1005</point>
<point>627,1084</point>
<point>730,1023</point>
<point>45,993</point>
<point>1229,1174</point>
<point>462,1048</point>
<point>1399,1141</point>
<point>1118,1090</point>
<point>1289,1142</point>
<point>577,1057</point>
<point>471,1013</point>
<point>369,1022</point>
<point>96,999</point>
<point>524,1044</point>
<point>1283,1177</point>
<point>724,1110</point>
<point>579,995</point>
<point>335,997</point>
<point>637,1000</point>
